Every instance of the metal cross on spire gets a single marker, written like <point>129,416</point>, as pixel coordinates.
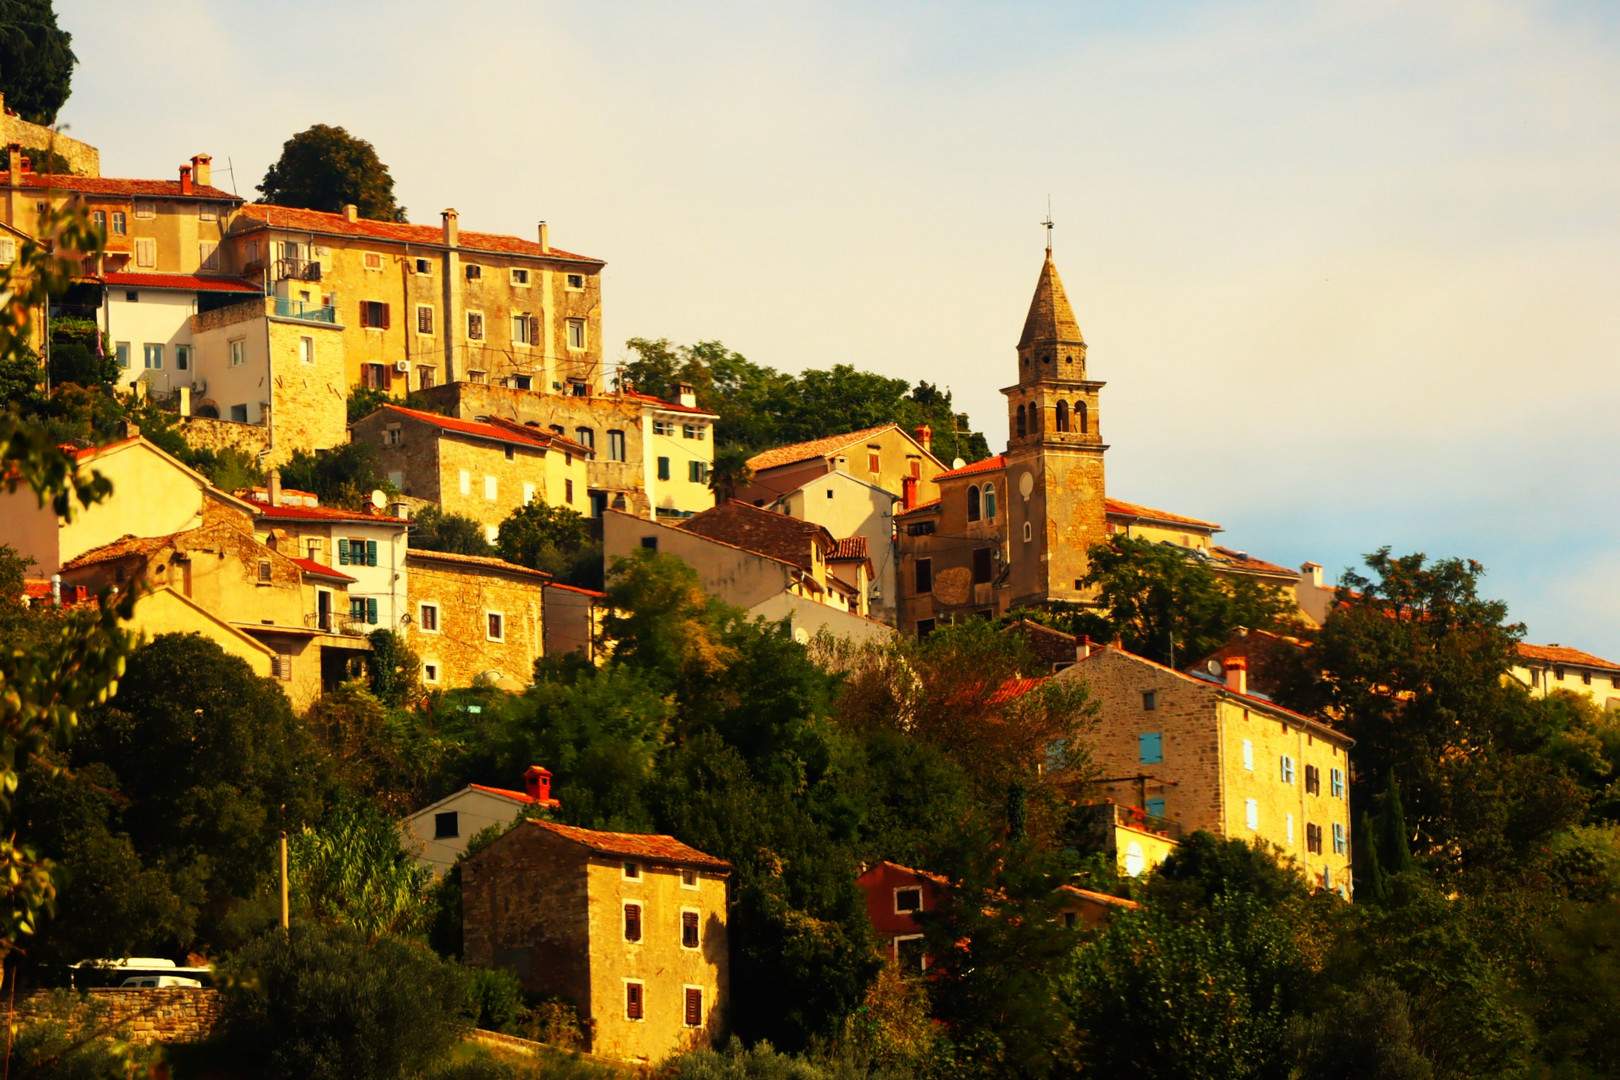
<point>1048,223</point>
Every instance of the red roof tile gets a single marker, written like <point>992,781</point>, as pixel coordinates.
<point>476,560</point>
<point>1242,560</point>
<point>507,433</point>
<point>1121,508</point>
<point>576,589</point>
<point>185,282</point>
<point>562,442</point>
<point>850,549</point>
<point>1563,654</point>
<point>989,464</point>
<point>786,539</point>
<point>111,186</point>
<point>642,846</point>
<point>515,796</point>
<point>310,566</point>
<point>256,216</point>
<point>931,504</point>
<point>804,451</point>
<point>324,513</point>
<point>671,406</point>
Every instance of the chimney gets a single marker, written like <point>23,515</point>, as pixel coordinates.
<point>14,162</point>
<point>202,170</point>
<point>185,180</point>
<point>1237,674</point>
<point>272,487</point>
<point>1312,573</point>
<point>686,395</point>
<point>545,238</point>
<point>452,228</point>
<point>908,492</point>
<point>185,401</point>
<point>351,212</point>
<point>56,589</point>
<point>925,435</point>
<point>1082,648</point>
<point>537,783</point>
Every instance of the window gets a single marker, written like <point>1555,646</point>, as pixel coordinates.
<point>663,427</point>
<point>121,351</point>
<point>239,414</point>
<point>1063,416</point>
<point>208,255</point>
<point>363,609</point>
<point>632,1000</point>
<point>615,446</point>
<point>689,879</point>
<point>925,575</point>
<point>921,528</point>
<point>694,1007</point>
<point>632,871</point>
<point>132,297</point>
<point>266,573</point>
<point>182,357</point>
<point>1313,839</point>
<point>1336,783</point>
<point>1029,532</point>
<point>525,330</point>
<point>924,628</point>
<point>632,922</point>
<point>982,571</point>
<point>430,673</point>
<point>424,319</point>
<point>689,929</point>
<point>375,376</point>
<point>424,377</point>
<point>908,898</point>
<point>874,461</point>
<point>520,276</point>
<point>697,472</point>
<point>663,468</point>
<point>973,502</point>
<point>908,953</point>
<point>99,219</point>
<point>576,281</point>
<point>568,491</point>
<point>146,252</point>
<point>371,260</point>
<point>1081,420</point>
<point>207,212</point>
<point>990,501</point>
<point>1586,677</point>
<point>1251,813</point>
<point>466,482</point>
<point>1150,748</point>
<point>153,356</point>
<point>650,543</point>
<point>446,825</point>
<point>424,266</point>
<point>306,350</point>
<point>357,552</point>
<point>1150,700</point>
<point>1289,827</point>
<point>1313,780</point>
<point>585,437</point>
<point>1286,771</point>
<point>427,618</point>
<point>1339,844</point>
<point>475,272</point>
<point>238,352</point>
<point>1248,754</point>
<point>145,209</point>
<point>475,325</point>
<point>1154,807</point>
<point>1558,673</point>
<point>576,333</point>
<point>528,494</point>
<point>120,225</point>
<point>490,487</point>
<point>497,626</point>
<point>374,314</point>
<point>692,431</point>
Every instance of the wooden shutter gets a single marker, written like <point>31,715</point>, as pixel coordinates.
<point>689,929</point>
<point>371,553</point>
<point>365,313</point>
<point>1150,748</point>
<point>371,610</point>
<point>632,1001</point>
<point>632,922</point>
<point>694,1007</point>
<point>343,553</point>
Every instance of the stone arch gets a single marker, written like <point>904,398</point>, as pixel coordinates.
<point>1022,429</point>
<point>1082,417</point>
<point>973,507</point>
<point>1063,416</point>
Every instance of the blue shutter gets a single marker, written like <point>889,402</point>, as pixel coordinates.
<point>1155,807</point>
<point>371,553</point>
<point>1150,748</point>
<point>343,553</point>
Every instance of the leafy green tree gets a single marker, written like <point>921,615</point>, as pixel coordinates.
<point>36,60</point>
<point>394,668</point>
<point>1204,867</point>
<point>434,530</point>
<point>351,869</point>
<point>729,472</point>
<point>19,380</point>
<point>543,537</point>
<point>662,621</point>
<point>365,400</point>
<point>326,168</point>
<point>1366,1035</point>
<point>344,476</point>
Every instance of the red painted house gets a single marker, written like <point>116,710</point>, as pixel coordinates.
<point>894,894</point>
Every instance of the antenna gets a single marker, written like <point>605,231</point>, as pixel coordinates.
<point>231,168</point>
<point>1049,225</point>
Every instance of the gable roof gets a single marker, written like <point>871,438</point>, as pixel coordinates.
<point>257,216</point>
<point>1563,654</point>
<point>115,186</point>
<point>794,453</point>
<point>122,548</point>
<point>324,513</point>
<point>516,796</point>
<point>1050,318</point>
<point>1122,509</point>
<point>931,504</point>
<point>666,406</point>
<point>477,561</point>
<point>648,847</point>
<point>1243,562</point>
<point>989,464</point>
<point>184,282</point>
<point>320,570</point>
<point>535,440</point>
<point>786,539</point>
<point>850,549</point>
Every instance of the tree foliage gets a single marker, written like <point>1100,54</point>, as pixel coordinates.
<point>554,539</point>
<point>326,168</point>
<point>36,60</point>
<point>344,476</point>
<point>434,530</point>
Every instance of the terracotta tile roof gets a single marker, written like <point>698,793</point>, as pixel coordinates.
<point>804,451</point>
<point>505,433</point>
<point>110,186</point>
<point>123,547</point>
<point>937,879</point>
<point>989,464</point>
<point>786,539</point>
<point>185,282</point>
<point>1013,689</point>
<point>325,513</point>
<point>516,796</point>
<point>648,847</point>
<point>85,453</point>
<point>1242,560</point>
<point>1121,508</point>
<point>255,216</point>
<point>1563,654</point>
<point>561,442</point>
<point>931,504</point>
<point>670,406</point>
<point>477,560</point>
<point>850,549</point>
<point>1100,898</point>
<point>576,589</point>
<point>310,566</point>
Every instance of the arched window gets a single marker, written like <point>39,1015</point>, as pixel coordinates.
<point>973,502</point>
<point>1029,533</point>
<point>1063,416</point>
<point>1021,428</point>
<point>1081,419</point>
<point>1034,417</point>
<point>990,502</point>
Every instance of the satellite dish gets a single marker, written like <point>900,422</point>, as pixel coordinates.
<point>958,463</point>
<point>1214,667</point>
<point>378,499</point>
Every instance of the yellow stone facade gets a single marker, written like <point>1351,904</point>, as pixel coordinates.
<point>456,641</point>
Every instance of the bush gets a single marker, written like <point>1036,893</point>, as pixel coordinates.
<point>328,1005</point>
<point>497,997</point>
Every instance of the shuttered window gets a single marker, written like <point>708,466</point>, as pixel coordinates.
<point>632,922</point>
<point>1150,748</point>
<point>632,1001</point>
<point>343,552</point>
<point>371,553</point>
<point>1155,807</point>
<point>371,610</point>
<point>1336,780</point>
<point>689,929</point>
<point>694,1007</point>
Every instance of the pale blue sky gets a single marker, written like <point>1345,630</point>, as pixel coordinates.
<point>1348,268</point>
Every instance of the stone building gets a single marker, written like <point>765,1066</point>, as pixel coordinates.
<point>629,928</point>
<point>475,619</point>
<point>424,305</point>
<point>1205,753</point>
<point>884,457</point>
<point>437,835</point>
<point>481,470</point>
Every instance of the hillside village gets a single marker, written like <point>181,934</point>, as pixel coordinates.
<point>630,791</point>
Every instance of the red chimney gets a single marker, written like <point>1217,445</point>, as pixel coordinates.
<point>1083,649</point>
<point>908,492</point>
<point>185,179</point>
<point>537,783</point>
<point>925,435</point>
<point>1237,674</point>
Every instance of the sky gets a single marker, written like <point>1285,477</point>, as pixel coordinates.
<point>1349,269</point>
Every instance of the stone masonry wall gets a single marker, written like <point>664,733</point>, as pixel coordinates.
<point>465,594</point>
<point>159,1015</point>
<point>206,433</point>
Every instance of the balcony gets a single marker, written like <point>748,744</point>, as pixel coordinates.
<point>304,310</point>
<point>297,270</point>
<point>1134,817</point>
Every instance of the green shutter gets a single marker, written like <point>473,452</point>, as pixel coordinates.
<point>371,553</point>
<point>343,553</point>
<point>371,610</point>
<point>663,468</point>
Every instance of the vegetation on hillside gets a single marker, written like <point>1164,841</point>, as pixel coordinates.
<point>36,60</point>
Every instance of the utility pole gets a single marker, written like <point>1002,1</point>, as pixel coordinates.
<point>285,932</point>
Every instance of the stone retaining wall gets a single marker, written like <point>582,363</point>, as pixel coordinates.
<point>166,1015</point>
<point>207,433</point>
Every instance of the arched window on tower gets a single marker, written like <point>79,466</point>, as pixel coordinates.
<point>1063,416</point>
<point>1034,418</point>
<point>1082,419</point>
<point>989,502</point>
<point>1021,426</point>
<point>973,502</point>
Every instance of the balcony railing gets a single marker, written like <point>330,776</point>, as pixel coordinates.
<point>322,620</point>
<point>1134,817</point>
<point>298,270</point>
<point>304,309</point>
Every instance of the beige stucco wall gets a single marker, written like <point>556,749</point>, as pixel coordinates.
<point>1601,687</point>
<point>165,611</point>
<point>385,582</point>
<point>680,495</point>
<point>738,577</point>
<point>810,618</point>
<point>158,317</point>
<point>476,810</point>
<point>846,507</point>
